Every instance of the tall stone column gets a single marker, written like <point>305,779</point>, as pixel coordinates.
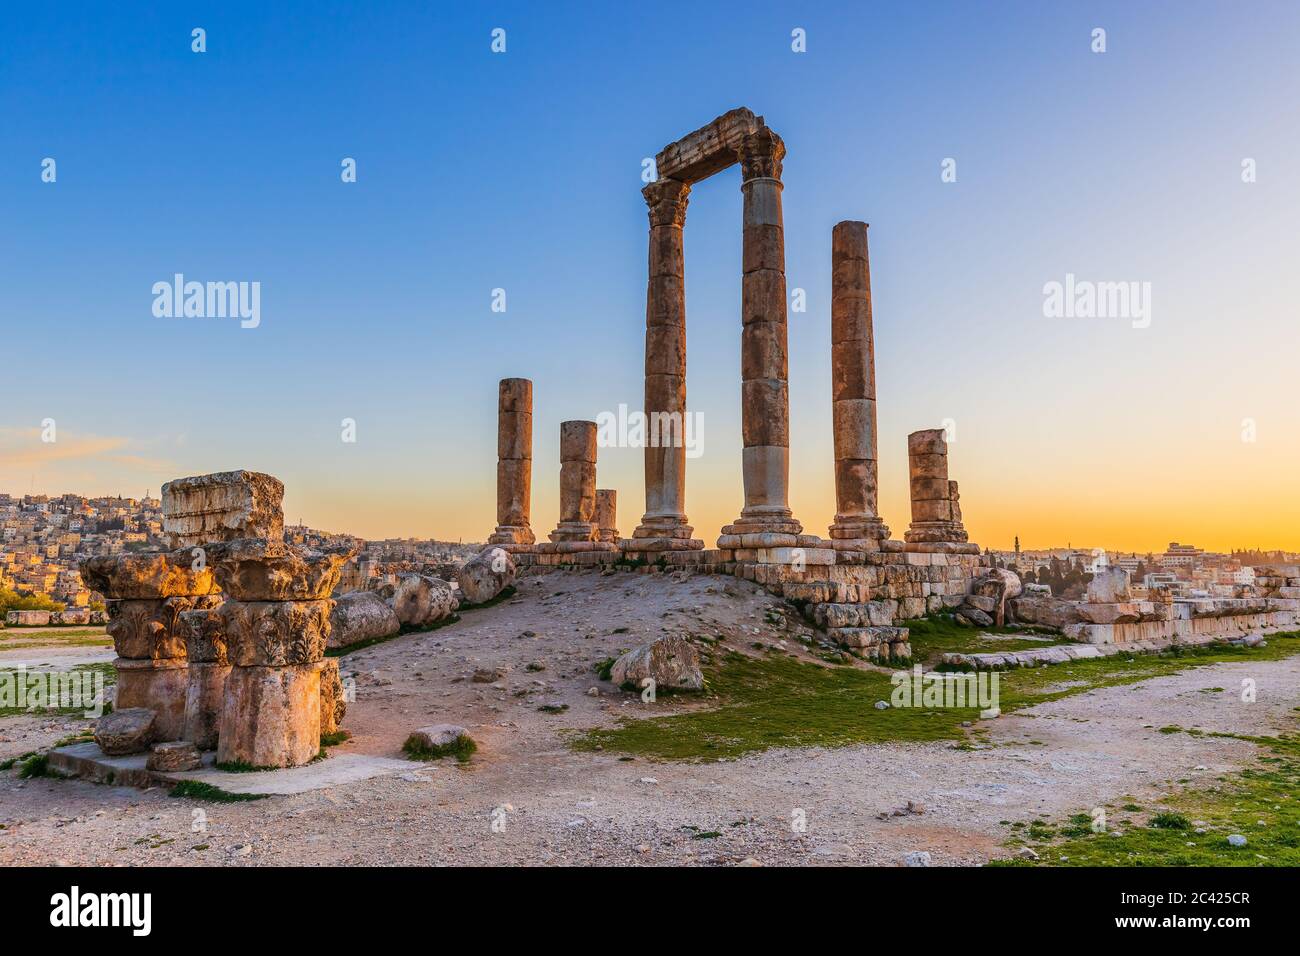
<point>934,518</point>
<point>664,525</point>
<point>514,465</point>
<point>577,530</point>
<point>607,514</point>
<point>765,398</point>
<point>857,525</point>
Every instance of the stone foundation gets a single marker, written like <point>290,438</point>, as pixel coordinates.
<point>271,716</point>
<point>159,685</point>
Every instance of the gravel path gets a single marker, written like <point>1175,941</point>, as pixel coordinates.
<point>561,807</point>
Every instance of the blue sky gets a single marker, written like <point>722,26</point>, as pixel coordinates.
<point>522,171</point>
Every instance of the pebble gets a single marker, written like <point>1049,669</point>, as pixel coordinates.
<point>1236,839</point>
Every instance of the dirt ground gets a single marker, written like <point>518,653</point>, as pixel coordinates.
<point>553,805</point>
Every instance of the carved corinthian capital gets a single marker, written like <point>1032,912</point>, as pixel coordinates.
<point>667,200</point>
<point>761,153</point>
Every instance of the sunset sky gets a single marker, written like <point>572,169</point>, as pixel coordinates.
<point>522,171</point>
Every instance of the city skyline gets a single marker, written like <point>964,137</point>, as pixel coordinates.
<point>376,295</point>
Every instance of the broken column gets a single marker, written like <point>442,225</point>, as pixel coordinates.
<point>857,525</point>
<point>577,530</point>
<point>607,514</point>
<point>145,595</point>
<point>765,398</point>
<point>276,620</point>
<point>514,465</point>
<point>664,525</point>
<point>197,512</point>
<point>935,520</point>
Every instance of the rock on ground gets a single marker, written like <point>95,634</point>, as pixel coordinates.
<point>420,600</point>
<point>671,662</point>
<point>361,616</point>
<point>486,575</point>
<point>123,732</point>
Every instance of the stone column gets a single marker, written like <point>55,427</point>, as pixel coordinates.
<point>514,465</point>
<point>205,643</point>
<point>276,621</point>
<point>765,399</point>
<point>934,519</point>
<point>664,525</point>
<point>146,595</point>
<point>607,514</point>
<point>857,525</point>
<point>577,489</point>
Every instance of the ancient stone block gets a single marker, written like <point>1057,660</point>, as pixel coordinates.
<point>223,507</point>
<point>333,699</point>
<point>275,633</point>
<point>361,616</point>
<point>252,569</point>
<point>127,730</point>
<point>671,662</point>
<point>155,685</point>
<point>486,575</point>
<point>271,716</point>
<point>149,575</point>
<point>204,694</point>
<point>173,756</point>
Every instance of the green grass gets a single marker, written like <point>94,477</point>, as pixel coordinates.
<point>372,641</point>
<point>462,748</point>
<point>932,637</point>
<point>1262,803</point>
<point>776,701</point>
<point>195,790</point>
<point>62,637</point>
<point>334,739</point>
<point>505,595</point>
<point>37,765</point>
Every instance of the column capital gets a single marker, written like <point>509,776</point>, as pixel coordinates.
<point>761,153</point>
<point>667,200</point>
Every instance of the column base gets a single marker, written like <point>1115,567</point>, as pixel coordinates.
<point>574,531</point>
<point>935,531</point>
<point>856,533</point>
<point>271,716</point>
<point>662,533</point>
<point>157,685</point>
<point>507,535</point>
<point>203,702</point>
<point>764,519</point>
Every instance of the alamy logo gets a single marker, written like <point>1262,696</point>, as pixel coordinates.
<point>1084,299</point>
<point>635,429</point>
<point>208,300</point>
<point>103,909</point>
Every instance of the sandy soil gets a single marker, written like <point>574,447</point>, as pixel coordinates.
<point>561,807</point>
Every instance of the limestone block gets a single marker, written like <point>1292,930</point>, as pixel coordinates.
<point>764,412</point>
<point>929,441</point>
<point>578,441</point>
<point>763,351</point>
<point>1109,587</point>
<point>223,507</point>
<point>205,637</point>
<point>173,756</point>
<point>156,685</point>
<point>253,569</point>
<point>420,600</point>
<point>333,699</point>
<point>763,247</point>
<point>762,297</point>
<point>670,661</point>
<point>275,633</point>
<point>127,730</point>
<point>854,424</point>
<point>928,466</point>
<point>486,575</point>
<point>361,616</point>
<point>204,695</point>
<point>141,576</point>
<point>271,716</point>
<point>515,435</point>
